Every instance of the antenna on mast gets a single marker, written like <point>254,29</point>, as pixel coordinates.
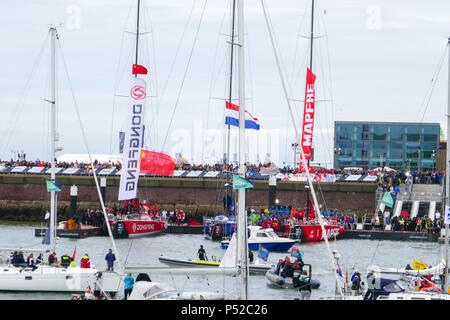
<point>137,34</point>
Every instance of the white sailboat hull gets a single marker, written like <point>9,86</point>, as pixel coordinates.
<point>54,279</point>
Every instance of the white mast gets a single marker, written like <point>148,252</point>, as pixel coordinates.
<point>447,168</point>
<point>302,159</point>
<point>242,215</point>
<point>52,229</point>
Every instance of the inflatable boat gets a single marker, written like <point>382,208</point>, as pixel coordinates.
<point>278,281</point>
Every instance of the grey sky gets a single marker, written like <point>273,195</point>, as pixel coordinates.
<point>375,63</point>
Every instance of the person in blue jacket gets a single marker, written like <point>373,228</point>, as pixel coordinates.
<point>128,283</point>
<point>110,258</point>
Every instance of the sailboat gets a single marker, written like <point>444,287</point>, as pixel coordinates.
<point>45,277</point>
<point>310,230</point>
<point>140,224</point>
<point>235,260</point>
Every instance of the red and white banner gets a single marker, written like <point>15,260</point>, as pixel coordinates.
<point>308,116</point>
<point>134,128</point>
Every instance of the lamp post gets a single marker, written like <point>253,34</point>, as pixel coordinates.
<point>433,155</point>
<point>419,149</point>
<point>337,151</point>
<point>294,146</point>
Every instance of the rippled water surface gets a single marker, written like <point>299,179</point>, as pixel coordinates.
<point>145,251</point>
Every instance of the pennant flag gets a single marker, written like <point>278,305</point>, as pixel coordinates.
<point>387,200</point>
<point>338,270</point>
<point>241,183</point>
<point>263,253</point>
<point>157,163</point>
<point>232,117</point>
<point>419,265</point>
<point>51,186</point>
<point>74,253</point>
<point>296,253</point>
<point>138,69</point>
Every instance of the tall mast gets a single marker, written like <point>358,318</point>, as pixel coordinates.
<point>137,34</point>
<point>310,68</point>
<point>52,229</point>
<point>242,215</point>
<point>447,168</point>
<point>227,157</point>
<point>312,37</point>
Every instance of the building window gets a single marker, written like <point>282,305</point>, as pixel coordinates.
<point>396,136</point>
<point>412,137</point>
<point>412,129</point>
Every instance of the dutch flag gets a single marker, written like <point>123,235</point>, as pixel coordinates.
<point>232,117</point>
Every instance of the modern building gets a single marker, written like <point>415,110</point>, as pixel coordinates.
<point>398,145</point>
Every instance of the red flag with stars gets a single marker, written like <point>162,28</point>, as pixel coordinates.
<point>138,69</point>
<point>157,163</point>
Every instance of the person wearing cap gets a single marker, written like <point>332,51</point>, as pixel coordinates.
<point>98,284</point>
<point>356,283</point>
<point>370,286</point>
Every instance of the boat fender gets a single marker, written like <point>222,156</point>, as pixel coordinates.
<point>315,284</point>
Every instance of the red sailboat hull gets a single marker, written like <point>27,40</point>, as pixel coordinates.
<point>143,228</point>
<point>313,233</point>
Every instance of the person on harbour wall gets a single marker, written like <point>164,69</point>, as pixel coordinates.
<point>110,258</point>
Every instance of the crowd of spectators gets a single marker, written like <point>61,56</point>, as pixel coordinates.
<point>386,178</point>
<point>62,164</point>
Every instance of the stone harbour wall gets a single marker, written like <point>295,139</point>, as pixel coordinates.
<point>24,197</point>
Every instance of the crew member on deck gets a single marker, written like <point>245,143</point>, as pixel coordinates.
<point>65,260</point>
<point>52,259</point>
<point>85,261</point>
<point>201,253</point>
<point>250,255</point>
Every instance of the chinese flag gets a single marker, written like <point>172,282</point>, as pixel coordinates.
<point>157,163</point>
<point>138,69</point>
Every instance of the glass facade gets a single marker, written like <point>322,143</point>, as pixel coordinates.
<point>394,144</point>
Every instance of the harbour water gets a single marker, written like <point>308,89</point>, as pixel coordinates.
<point>355,254</point>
